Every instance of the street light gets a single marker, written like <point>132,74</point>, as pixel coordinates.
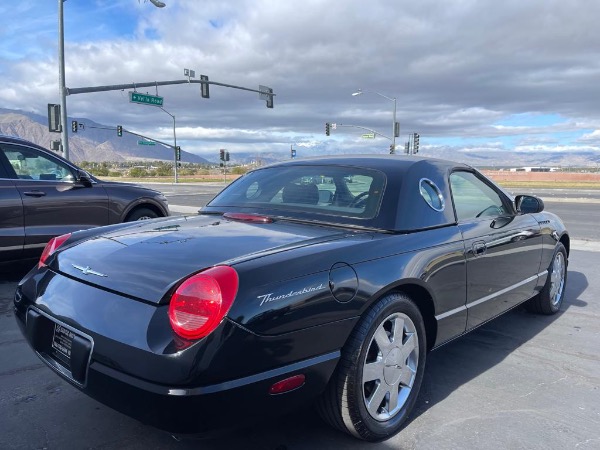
<point>62,84</point>
<point>360,92</point>
<point>174,141</point>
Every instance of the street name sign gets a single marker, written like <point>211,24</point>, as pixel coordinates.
<point>146,143</point>
<point>369,135</point>
<point>145,99</point>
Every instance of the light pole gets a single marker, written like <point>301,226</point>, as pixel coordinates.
<point>62,84</point>
<point>174,142</point>
<point>61,80</point>
<point>360,92</point>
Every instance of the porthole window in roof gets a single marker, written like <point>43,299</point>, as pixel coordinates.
<point>431,194</point>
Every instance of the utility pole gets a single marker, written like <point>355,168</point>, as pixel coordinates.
<point>62,83</point>
<point>64,137</point>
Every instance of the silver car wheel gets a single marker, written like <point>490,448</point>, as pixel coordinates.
<point>390,366</point>
<point>557,278</point>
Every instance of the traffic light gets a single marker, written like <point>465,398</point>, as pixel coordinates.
<point>416,142</point>
<point>74,126</point>
<point>270,99</point>
<point>222,154</point>
<point>392,149</point>
<point>204,87</point>
<point>54,118</point>
<point>293,152</point>
<point>178,153</point>
<point>407,148</point>
<point>397,129</point>
<point>327,128</point>
<point>119,130</point>
<point>226,156</point>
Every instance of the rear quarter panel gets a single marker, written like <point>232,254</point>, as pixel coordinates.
<point>285,292</point>
<point>123,198</point>
<point>553,230</point>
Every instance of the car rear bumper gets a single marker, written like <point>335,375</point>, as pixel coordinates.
<point>192,409</point>
<point>221,382</point>
<point>232,404</point>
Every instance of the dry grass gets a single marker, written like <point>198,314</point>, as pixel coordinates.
<point>549,184</point>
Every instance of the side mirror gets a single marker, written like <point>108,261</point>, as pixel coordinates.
<point>84,178</point>
<point>528,204</point>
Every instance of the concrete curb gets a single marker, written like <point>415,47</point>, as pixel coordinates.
<point>589,246</point>
<point>184,209</point>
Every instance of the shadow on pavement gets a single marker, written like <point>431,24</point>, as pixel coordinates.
<point>465,358</point>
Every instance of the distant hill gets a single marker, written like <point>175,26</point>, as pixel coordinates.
<point>100,143</point>
<point>91,144</point>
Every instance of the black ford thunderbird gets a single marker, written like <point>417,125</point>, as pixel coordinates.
<point>323,281</point>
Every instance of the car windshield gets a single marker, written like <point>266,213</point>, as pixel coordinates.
<point>351,192</point>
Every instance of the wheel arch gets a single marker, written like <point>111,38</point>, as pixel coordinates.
<point>566,241</point>
<point>422,298</point>
<point>142,204</point>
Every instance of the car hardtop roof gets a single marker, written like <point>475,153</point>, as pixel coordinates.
<point>383,163</point>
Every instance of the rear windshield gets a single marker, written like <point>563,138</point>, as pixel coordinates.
<point>351,192</point>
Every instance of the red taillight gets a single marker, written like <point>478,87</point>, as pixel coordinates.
<point>51,247</point>
<point>200,302</point>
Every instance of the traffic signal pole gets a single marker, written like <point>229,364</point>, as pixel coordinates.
<point>121,87</point>
<point>64,136</point>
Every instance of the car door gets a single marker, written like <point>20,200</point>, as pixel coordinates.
<point>12,231</point>
<point>502,248</point>
<point>54,202</point>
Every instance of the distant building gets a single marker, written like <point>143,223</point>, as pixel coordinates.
<point>533,169</point>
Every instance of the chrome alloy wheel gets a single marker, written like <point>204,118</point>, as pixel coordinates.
<point>390,366</point>
<point>557,278</point>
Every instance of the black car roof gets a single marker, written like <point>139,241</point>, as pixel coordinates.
<point>383,163</point>
<point>403,207</point>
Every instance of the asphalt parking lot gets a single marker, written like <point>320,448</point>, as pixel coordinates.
<point>519,382</point>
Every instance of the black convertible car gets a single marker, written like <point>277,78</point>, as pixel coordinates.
<point>323,281</point>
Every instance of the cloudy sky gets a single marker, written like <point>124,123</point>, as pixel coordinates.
<point>467,75</point>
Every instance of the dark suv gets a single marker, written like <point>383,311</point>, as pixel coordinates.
<point>43,195</point>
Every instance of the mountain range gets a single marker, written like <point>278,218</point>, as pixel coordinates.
<point>95,142</point>
<point>98,143</point>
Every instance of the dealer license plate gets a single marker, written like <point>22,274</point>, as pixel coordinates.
<point>62,341</point>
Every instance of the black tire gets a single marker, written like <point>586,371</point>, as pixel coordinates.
<point>141,214</point>
<point>396,371</point>
<point>550,299</point>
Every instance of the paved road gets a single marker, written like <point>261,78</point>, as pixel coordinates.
<point>580,209</point>
<point>519,382</point>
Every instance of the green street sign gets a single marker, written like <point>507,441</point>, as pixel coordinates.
<point>145,99</point>
<point>369,136</point>
<point>146,143</point>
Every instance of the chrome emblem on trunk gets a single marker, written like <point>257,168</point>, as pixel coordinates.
<point>88,271</point>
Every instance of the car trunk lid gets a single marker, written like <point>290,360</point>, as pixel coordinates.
<point>147,260</point>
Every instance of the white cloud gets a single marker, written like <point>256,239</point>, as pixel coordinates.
<point>456,68</point>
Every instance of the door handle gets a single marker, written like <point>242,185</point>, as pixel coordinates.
<point>34,193</point>
<point>479,248</point>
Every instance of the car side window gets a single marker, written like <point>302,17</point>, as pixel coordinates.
<point>473,198</point>
<point>29,164</point>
